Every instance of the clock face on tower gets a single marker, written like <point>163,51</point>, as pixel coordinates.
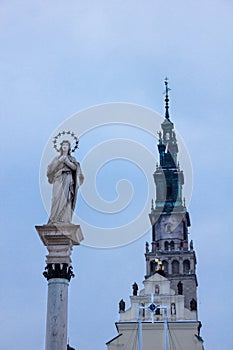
<point>171,225</point>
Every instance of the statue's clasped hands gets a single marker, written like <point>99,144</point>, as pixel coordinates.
<point>63,158</point>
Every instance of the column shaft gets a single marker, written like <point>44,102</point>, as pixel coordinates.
<point>56,327</point>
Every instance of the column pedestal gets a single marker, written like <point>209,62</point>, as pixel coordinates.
<point>59,240</point>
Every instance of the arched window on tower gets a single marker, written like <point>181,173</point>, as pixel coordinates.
<point>186,266</point>
<point>165,265</point>
<point>152,266</point>
<point>172,245</point>
<point>175,266</point>
<point>166,245</point>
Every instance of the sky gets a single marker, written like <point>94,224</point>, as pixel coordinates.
<point>58,58</point>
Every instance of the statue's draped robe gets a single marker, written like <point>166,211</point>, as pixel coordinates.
<point>66,182</point>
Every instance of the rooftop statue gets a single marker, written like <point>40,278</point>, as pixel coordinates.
<point>64,172</point>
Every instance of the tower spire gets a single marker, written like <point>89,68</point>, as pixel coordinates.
<point>167,89</point>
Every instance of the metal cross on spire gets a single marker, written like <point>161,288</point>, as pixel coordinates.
<point>166,99</point>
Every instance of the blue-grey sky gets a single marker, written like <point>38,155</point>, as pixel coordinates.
<point>59,57</point>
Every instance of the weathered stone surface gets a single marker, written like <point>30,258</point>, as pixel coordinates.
<point>59,240</point>
<point>64,172</point>
<point>56,325</point>
<point>182,335</point>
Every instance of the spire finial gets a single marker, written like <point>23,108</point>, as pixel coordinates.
<point>166,98</point>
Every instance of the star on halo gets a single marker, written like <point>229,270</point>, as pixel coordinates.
<point>71,133</point>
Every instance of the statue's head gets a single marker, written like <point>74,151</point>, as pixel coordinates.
<point>65,147</point>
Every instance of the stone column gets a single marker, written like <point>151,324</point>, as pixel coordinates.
<point>59,241</point>
<point>56,325</point>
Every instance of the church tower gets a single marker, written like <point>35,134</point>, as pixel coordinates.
<point>164,312</point>
<point>170,219</point>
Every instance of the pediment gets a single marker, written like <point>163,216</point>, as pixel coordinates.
<point>156,278</point>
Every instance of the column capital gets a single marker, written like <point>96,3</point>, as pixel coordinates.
<point>58,271</point>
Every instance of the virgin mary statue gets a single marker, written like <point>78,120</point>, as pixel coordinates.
<point>65,174</point>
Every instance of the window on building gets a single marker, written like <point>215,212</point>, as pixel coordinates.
<point>185,231</point>
<point>143,310</point>
<point>173,308</point>
<point>169,191</point>
<point>172,245</point>
<point>157,289</point>
<point>166,245</point>
<point>165,265</point>
<point>175,266</point>
<point>186,266</point>
<point>152,266</point>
